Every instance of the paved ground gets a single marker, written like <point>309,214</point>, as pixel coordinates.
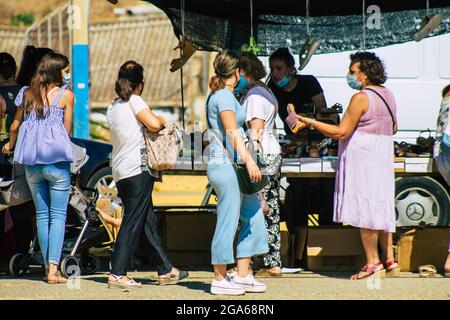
<point>305,286</point>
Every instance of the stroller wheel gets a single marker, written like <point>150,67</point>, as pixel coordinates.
<point>89,264</point>
<point>19,265</point>
<point>70,267</point>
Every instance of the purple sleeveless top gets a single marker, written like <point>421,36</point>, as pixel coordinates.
<point>43,141</point>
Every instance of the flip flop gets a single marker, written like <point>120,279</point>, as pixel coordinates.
<point>427,271</point>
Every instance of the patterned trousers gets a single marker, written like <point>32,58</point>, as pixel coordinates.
<point>272,220</point>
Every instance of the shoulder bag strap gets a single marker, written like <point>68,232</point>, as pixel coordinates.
<point>216,136</point>
<point>386,104</point>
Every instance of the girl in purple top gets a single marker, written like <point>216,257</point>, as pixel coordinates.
<point>44,116</point>
<point>365,188</point>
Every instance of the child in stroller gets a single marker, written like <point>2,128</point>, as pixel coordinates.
<point>95,228</point>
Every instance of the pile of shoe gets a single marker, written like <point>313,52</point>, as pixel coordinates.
<point>310,149</point>
<point>422,148</point>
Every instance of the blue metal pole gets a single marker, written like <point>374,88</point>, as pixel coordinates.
<point>80,68</point>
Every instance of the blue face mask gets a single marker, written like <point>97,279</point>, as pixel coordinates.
<point>353,82</point>
<point>241,86</point>
<point>283,82</point>
<point>67,78</point>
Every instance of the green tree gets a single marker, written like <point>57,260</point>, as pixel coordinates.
<point>23,19</point>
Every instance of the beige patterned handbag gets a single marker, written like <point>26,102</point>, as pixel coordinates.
<point>163,147</point>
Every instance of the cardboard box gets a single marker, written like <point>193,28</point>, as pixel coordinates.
<point>190,231</point>
<point>290,165</point>
<point>418,160</point>
<point>190,258</point>
<point>284,249</point>
<point>299,242</point>
<point>399,164</point>
<point>420,247</point>
<point>336,263</point>
<point>419,167</point>
<point>310,164</point>
<point>334,249</point>
<point>329,165</point>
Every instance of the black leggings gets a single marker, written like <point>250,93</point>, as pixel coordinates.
<point>136,195</point>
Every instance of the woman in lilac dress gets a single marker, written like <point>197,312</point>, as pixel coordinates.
<point>365,188</point>
<point>44,115</point>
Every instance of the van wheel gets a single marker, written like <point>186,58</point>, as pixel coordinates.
<point>421,201</point>
<point>103,181</point>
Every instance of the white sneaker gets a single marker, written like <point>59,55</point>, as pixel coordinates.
<point>250,284</point>
<point>429,23</point>
<point>226,287</point>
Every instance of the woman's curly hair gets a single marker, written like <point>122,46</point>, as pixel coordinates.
<point>371,65</point>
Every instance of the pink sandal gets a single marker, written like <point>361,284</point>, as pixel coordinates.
<point>392,269</point>
<point>370,270</point>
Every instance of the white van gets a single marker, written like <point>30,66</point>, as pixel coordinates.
<point>417,73</point>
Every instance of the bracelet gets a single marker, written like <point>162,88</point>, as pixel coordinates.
<point>311,125</point>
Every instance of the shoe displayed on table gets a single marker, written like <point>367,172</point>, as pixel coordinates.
<point>428,24</point>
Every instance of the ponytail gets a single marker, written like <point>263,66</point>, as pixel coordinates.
<point>225,65</point>
<point>123,89</point>
<point>131,75</point>
<point>216,83</point>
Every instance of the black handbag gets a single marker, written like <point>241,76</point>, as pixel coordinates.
<point>246,185</point>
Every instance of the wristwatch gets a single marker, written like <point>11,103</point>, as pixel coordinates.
<point>311,125</point>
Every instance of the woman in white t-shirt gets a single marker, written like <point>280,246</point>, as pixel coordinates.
<point>127,116</point>
<point>261,107</point>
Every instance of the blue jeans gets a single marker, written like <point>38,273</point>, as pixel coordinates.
<point>50,187</point>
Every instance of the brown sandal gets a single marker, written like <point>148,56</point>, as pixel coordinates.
<point>171,278</point>
<point>427,271</point>
<point>266,273</point>
<point>59,278</point>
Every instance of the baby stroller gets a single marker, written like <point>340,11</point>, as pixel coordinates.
<point>90,231</point>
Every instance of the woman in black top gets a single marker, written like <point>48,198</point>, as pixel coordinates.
<point>304,195</point>
<point>8,86</point>
<point>289,87</point>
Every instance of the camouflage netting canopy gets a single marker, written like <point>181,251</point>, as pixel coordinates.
<point>216,24</point>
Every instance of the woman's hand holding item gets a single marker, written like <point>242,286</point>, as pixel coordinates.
<point>253,170</point>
